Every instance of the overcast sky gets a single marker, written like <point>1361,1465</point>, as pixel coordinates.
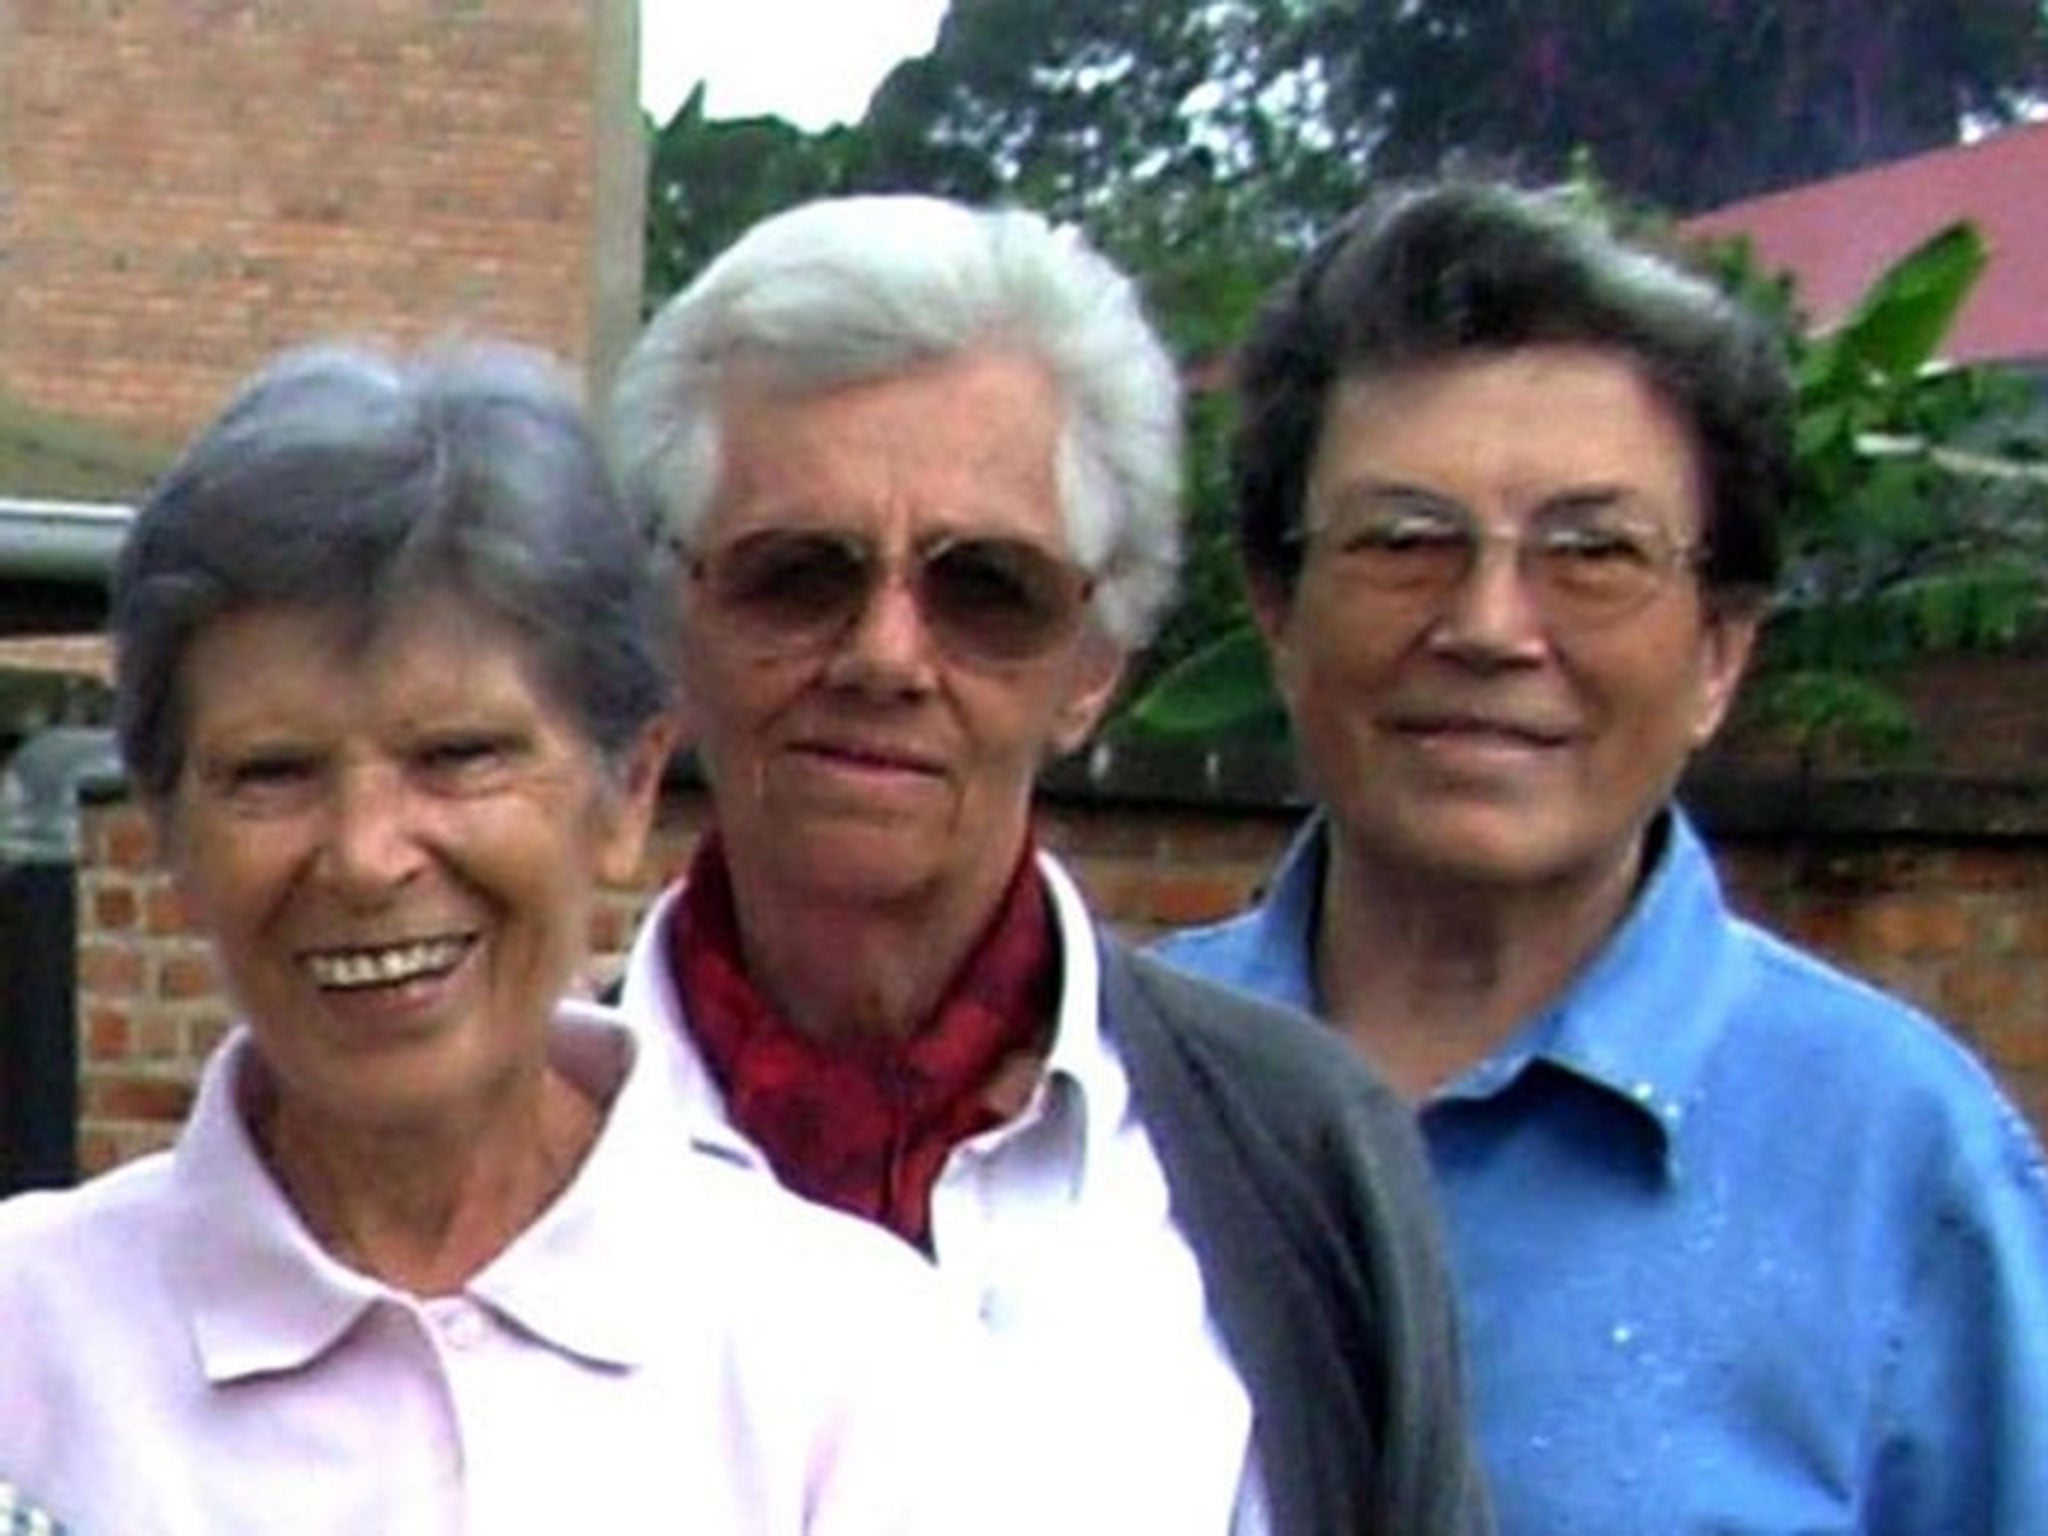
<point>815,62</point>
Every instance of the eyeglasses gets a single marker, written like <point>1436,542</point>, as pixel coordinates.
<point>1585,563</point>
<point>983,597</point>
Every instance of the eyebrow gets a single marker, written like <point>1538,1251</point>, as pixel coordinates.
<point>1368,494</point>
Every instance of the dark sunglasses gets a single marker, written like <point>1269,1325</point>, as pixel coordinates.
<point>983,597</point>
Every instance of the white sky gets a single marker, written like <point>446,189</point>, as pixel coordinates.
<point>815,62</point>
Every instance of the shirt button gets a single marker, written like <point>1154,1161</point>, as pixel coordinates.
<point>999,1313</point>
<point>461,1324</point>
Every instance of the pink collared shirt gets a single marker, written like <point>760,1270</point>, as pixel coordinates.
<point>673,1345</point>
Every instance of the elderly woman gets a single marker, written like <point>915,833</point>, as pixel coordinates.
<point>1744,1245</point>
<point>432,1255</point>
<point>915,466</point>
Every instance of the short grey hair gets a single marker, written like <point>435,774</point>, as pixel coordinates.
<point>346,482</point>
<point>856,288</point>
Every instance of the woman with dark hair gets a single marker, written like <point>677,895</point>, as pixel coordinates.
<point>432,1254</point>
<point>1743,1245</point>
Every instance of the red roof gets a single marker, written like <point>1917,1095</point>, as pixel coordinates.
<point>1836,236</point>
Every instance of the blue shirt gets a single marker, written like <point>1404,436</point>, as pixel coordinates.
<point>1743,1245</point>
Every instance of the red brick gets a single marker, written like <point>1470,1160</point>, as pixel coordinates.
<point>164,910</point>
<point>2016,1039</point>
<point>204,1034</point>
<point>2030,932</point>
<point>129,842</point>
<point>1119,890</point>
<point>109,969</point>
<point>1179,898</point>
<point>1910,926</point>
<point>154,1035</point>
<point>99,1149</point>
<point>114,907</point>
<point>106,1034</point>
<point>144,277</point>
<point>1978,994</point>
<point>1994,869</point>
<point>128,1096</point>
<point>187,974</point>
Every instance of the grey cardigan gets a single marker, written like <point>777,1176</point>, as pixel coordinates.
<point>1299,1181</point>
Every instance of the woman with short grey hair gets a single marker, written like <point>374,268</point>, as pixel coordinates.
<point>432,1255</point>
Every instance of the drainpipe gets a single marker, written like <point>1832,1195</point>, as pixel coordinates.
<point>40,790</point>
<point>61,540</point>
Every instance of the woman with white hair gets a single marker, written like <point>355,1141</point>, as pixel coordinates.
<point>914,469</point>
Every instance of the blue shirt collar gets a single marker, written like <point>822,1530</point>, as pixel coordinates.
<point>1622,1026</point>
<point>1644,1015</point>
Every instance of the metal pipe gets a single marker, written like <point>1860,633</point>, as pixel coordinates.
<point>40,791</point>
<point>60,540</point>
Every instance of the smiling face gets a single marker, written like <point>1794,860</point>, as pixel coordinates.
<point>883,765</point>
<point>393,848</point>
<point>1477,736</point>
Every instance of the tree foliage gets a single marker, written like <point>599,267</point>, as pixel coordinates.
<point>709,178</point>
<point>1073,105</point>
<point>1684,103</point>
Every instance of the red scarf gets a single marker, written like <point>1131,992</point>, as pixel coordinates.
<point>866,1125</point>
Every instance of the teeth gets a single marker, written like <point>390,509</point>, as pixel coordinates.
<point>384,967</point>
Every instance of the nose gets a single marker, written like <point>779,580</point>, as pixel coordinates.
<point>372,845</point>
<point>1492,616</point>
<point>888,647</point>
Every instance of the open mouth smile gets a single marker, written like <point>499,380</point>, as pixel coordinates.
<point>391,965</point>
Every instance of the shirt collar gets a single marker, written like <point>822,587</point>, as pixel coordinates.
<point>593,1275</point>
<point>1280,962</point>
<point>1081,1097</point>
<point>654,1008</point>
<point>1084,1094</point>
<point>1636,1023</point>
<point>1642,1017</point>
<point>263,1297</point>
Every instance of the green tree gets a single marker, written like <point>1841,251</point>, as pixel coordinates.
<point>1685,103</point>
<point>708,179</point>
<point>1077,106</point>
<point>1920,519</point>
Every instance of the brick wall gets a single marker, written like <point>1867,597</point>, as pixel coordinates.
<point>1939,894</point>
<point>187,185</point>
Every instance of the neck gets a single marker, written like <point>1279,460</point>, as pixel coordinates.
<point>846,968</point>
<point>425,1206</point>
<point>1429,974</point>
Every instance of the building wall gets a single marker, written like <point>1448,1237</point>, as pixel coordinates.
<point>188,185</point>
<point>1955,917</point>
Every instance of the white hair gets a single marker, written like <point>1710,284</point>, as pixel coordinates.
<point>855,288</point>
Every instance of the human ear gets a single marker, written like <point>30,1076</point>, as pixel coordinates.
<point>629,815</point>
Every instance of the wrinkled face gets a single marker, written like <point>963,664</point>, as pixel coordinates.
<point>887,753</point>
<point>393,847</point>
<point>1518,724</point>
